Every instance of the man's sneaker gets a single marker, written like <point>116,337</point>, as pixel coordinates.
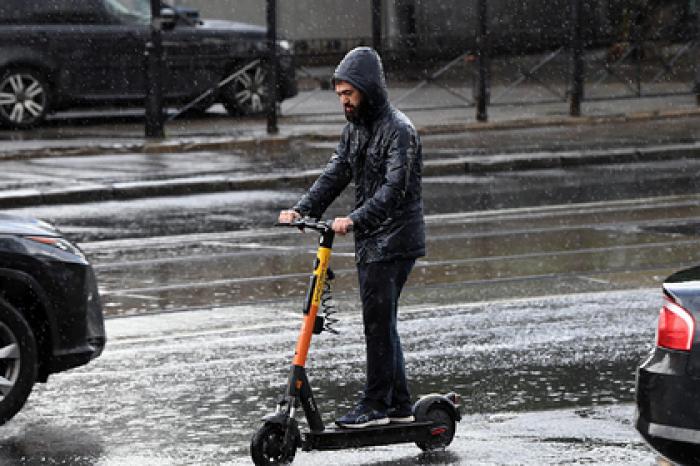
<point>400,414</point>
<point>363,416</point>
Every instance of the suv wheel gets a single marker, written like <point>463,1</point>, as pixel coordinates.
<point>24,98</point>
<point>18,361</point>
<point>247,94</point>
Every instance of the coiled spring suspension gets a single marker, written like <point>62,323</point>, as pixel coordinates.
<point>327,307</point>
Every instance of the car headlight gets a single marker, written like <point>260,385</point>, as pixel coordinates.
<point>58,243</point>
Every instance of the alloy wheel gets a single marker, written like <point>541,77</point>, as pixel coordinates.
<point>23,99</point>
<point>251,91</point>
<point>9,360</point>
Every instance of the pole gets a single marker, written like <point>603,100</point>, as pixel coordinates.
<point>377,25</point>
<point>697,52</point>
<point>482,52</point>
<point>272,67</point>
<point>577,71</point>
<point>638,44</point>
<point>154,85</point>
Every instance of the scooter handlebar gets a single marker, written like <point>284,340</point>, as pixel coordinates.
<point>312,224</point>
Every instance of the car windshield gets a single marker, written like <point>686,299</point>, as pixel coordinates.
<point>136,10</point>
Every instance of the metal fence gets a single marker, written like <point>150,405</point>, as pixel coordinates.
<point>630,49</point>
<point>503,52</point>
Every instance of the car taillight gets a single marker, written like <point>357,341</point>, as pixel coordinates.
<point>676,327</point>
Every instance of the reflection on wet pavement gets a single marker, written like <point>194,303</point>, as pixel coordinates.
<point>39,444</point>
<point>471,257</point>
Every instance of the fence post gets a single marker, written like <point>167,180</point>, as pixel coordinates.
<point>272,75</point>
<point>154,75</point>
<point>377,25</point>
<point>638,44</point>
<point>697,53</point>
<point>482,52</point>
<point>577,69</point>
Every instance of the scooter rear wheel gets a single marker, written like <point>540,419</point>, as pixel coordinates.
<point>442,431</point>
<point>267,446</point>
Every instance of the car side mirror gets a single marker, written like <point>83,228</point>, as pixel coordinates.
<point>168,18</point>
<point>188,13</point>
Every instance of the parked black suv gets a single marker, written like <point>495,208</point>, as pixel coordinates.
<point>56,54</point>
<point>50,312</point>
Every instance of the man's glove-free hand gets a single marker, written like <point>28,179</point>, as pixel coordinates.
<point>288,216</point>
<point>342,225</point>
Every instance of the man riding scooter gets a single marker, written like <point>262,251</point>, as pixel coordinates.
<point>381,152</point>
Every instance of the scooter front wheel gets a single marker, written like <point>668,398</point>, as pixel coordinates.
<point>268,446</point>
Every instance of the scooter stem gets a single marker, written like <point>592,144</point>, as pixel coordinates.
<point>313,296</point>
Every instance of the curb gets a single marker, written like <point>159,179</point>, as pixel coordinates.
<point>165,147</point>
<point>443,167</point>
<point>145,189</point>
<point>563,159</point>
<point>558,121</point>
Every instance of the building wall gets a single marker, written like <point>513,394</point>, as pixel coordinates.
<point>246,11</point>
<point>326,19</point>
<point>297,19</point>
<point>441,24</point>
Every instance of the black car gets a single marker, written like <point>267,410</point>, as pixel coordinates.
<point>59,54</point>
<point>50,312</point>
<point>668,382</point>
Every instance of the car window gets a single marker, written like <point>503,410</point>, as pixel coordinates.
<point>130,10</point>
<point>14,11</point>
<point>53,12</point>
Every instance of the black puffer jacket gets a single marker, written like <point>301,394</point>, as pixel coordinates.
<point>383,157</point>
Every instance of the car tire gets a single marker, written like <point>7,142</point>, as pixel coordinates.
<point>247,94</point>
<point>24,98</point>
<point>18,361</point>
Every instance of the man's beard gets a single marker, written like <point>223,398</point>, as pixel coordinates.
<point>355,114</point>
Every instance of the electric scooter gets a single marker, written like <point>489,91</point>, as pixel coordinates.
<point>278,439</point>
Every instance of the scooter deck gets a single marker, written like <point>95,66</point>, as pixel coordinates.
<point>334,438</point>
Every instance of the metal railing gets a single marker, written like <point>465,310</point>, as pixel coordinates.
<point>569,64</point>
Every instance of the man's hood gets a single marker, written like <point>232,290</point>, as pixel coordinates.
<point>362,68</point>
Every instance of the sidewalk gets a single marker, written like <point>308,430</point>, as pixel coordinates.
<point>315,115</point>
<point>108,159</point>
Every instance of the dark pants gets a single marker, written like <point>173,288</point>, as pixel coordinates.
<point>380,287</point>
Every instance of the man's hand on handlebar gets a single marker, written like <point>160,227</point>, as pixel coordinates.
<point>288,216</point>
<point>342,225</point>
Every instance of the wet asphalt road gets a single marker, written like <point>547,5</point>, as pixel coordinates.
<point>542,384</point>
<point>536,305</point>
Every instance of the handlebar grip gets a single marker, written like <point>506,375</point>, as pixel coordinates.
<point>306,222</point>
